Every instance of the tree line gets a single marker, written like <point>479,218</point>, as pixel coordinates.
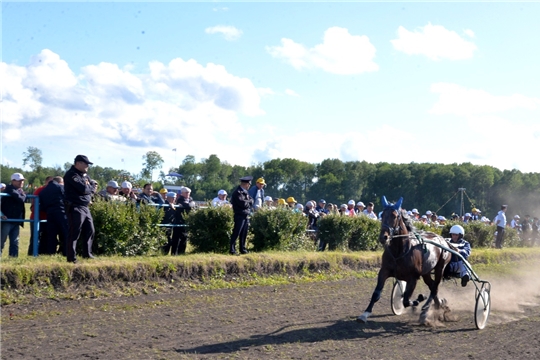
<point>425,186</point>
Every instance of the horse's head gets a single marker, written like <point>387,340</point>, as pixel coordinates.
<point>391,220</point>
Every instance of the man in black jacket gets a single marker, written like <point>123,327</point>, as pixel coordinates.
<point>52,200</point>
<point>241,203</point>
<point>78,190</point>
<point>13,208</point>
<point>184,204</point>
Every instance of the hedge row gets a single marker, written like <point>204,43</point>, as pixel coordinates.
<point>128,230</point>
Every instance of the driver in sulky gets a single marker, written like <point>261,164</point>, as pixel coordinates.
<point>464,248</point>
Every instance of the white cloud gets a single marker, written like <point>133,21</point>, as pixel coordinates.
<point>230,33</point>
<point>112,112</point>
<point>265,92</point>
<point>340,53</point>
<point>469,33</point>
<point>291,92</point>
<point>435,42</point>
<point>458,100</point>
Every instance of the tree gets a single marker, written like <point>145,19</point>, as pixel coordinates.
<point>32,156</point>
<point>152,161</point>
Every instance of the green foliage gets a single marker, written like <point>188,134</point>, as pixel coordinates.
<point>279,229</point>
<point>210,229</point>
<point>365,235</point>
<point>125,229</point>
<point>336,231</point>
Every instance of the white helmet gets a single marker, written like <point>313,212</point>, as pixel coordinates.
<point>457,229</point>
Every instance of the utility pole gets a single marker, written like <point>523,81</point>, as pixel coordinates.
<point>462,207</point>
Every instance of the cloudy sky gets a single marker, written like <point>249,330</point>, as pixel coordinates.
<point>395,82</point>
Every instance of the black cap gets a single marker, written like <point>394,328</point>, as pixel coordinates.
<point>246,179</point>
<point>322,201</point>
<point>83,158</point>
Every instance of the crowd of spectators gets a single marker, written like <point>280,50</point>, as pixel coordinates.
<point>53,233</point>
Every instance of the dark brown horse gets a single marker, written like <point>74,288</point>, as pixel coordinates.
<point>407,258</point>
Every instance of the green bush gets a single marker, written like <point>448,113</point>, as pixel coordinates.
<point>210,229</point>
<point>279,229</point>
<point>365,235</point>
<point>336,230</point>
<point>125,229</point>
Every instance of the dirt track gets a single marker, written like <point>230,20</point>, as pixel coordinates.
<point>315,320</point>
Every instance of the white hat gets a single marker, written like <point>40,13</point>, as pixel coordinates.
<point>468,214</point>
<point>171,194</point>
<point>309,204</point>
<point>428,212</point>
<point>112,184</point>
<point>185,189</point>
<point>424,217</point>
<point>360,204</point>
<point>268,198</point>
<point>343,206</point>
<point>222,192</point>
<point>440,217</point>
<point>17,177</point>
<point>351,202</point>
<point>484,219</point>
<point>409,212</point>
<point>516,216</point>
<point>415,211</point>
<point>126,185</point>
<point>299,206</point>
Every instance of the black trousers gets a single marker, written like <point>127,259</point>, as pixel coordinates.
<point>178,241</point>
<point>80,225</point>
<point>57,232</point>
<point>240,230</point>
<point>500,237</point>
<point>41,238</point>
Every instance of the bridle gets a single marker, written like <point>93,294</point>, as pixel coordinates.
<point>395,229</point>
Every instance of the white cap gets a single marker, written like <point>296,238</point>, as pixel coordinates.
<point>299,206</point>
<point>516,216</point>
<point>440,217</point>
<point>428,212</point>
<point>409,212</point>
<point>351,202</point>
<point>113,184</point>
<point>268,198</point>
<point>468,214</point>
<point>360,204</point>
<point>415,211</point>
<point>17,177</point>
<point>222,192</point>
<point>185,189</point>
<point>126,185</point>
<point>424,217</point>
<point>343,206</point>
<point>484,219</point>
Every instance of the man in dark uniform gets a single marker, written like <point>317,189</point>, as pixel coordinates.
<point>180,233</point>
<point>78,191</point>
<point>241,203</point>
<point>52,201</point>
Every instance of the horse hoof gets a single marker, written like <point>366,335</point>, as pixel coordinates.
<point>363,318</point>
<point>421,298</point>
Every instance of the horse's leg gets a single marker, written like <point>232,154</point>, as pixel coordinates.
<point>411,285</point>
<point>381,279</point>
<point>425,308</point>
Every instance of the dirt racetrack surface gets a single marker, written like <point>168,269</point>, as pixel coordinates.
<point>296,321</point>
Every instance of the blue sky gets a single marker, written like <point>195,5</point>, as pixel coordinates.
<point>395,82</point>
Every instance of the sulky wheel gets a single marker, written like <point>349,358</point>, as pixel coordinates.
<point>396,300</point>
<point>482,308</point>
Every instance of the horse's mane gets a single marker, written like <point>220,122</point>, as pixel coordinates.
<point>408,221</point>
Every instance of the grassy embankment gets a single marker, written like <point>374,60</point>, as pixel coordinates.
<point>26,278</point>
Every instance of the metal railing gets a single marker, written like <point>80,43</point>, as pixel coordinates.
<point>35,221</point>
